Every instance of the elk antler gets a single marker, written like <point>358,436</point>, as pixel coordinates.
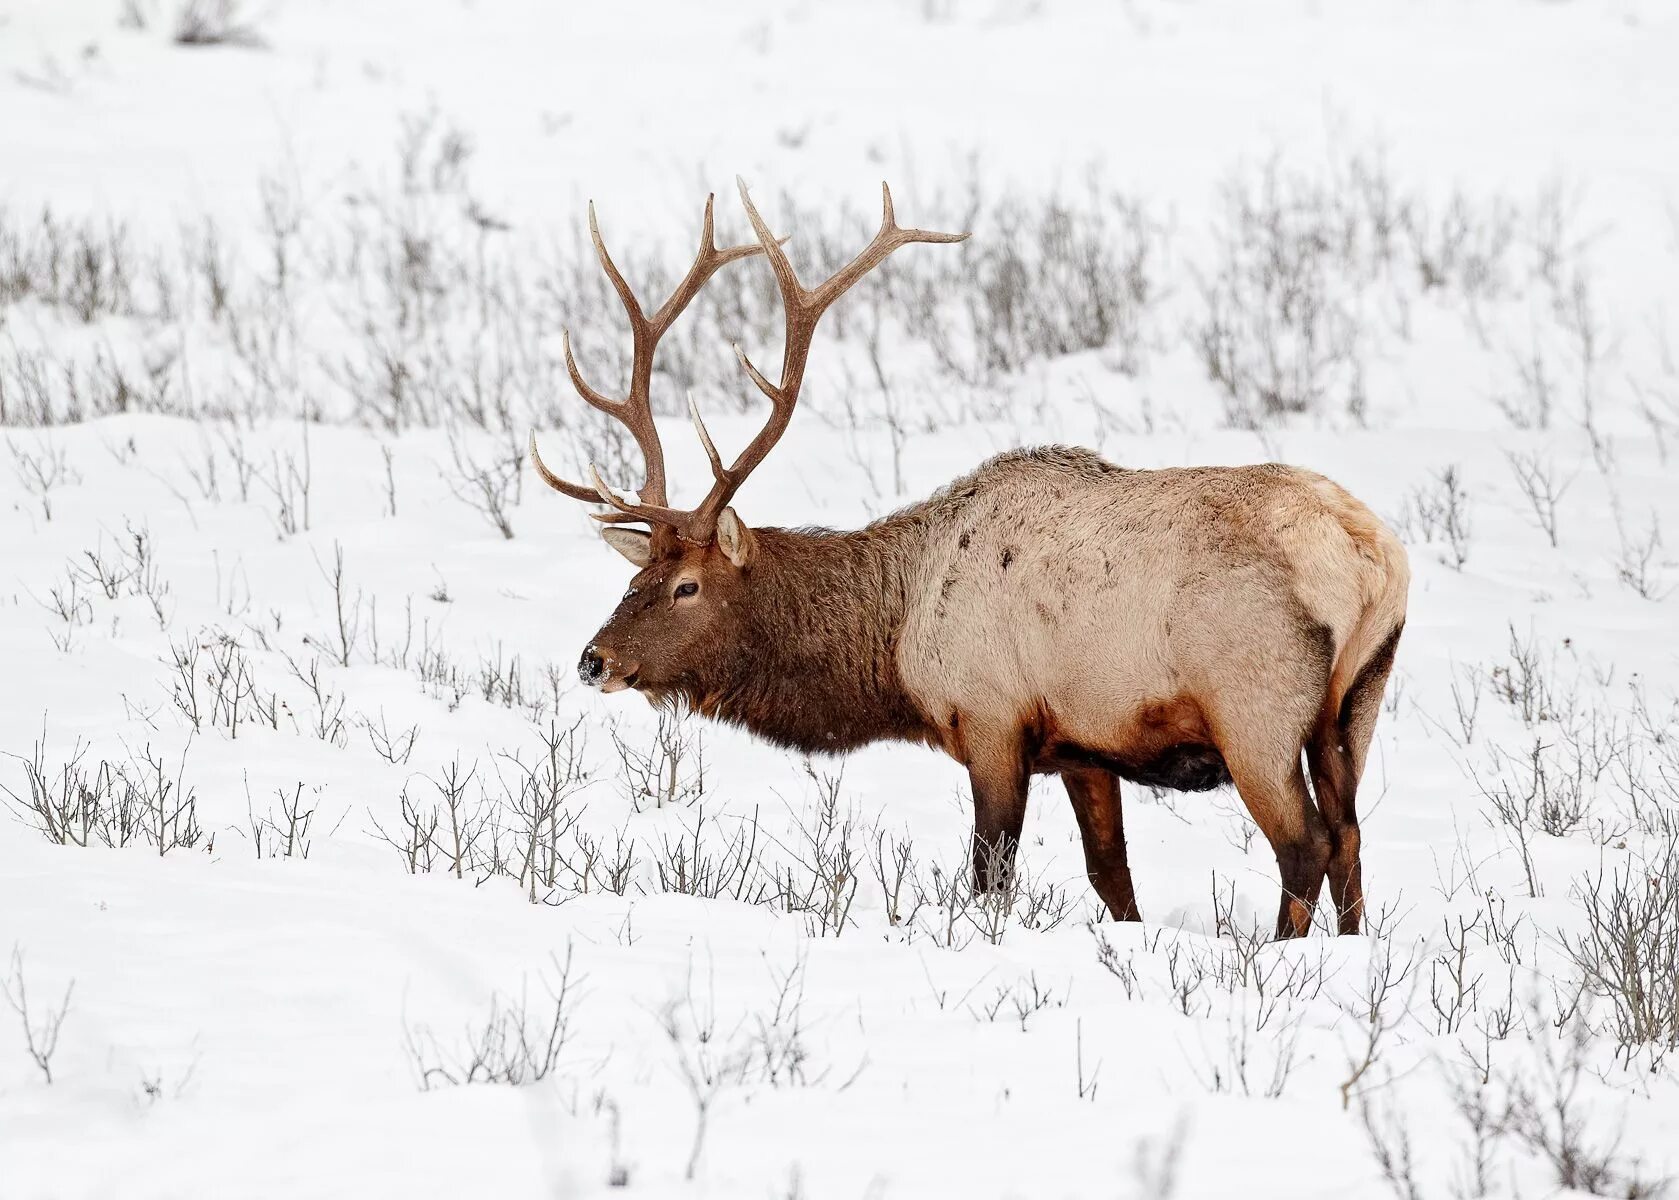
<point>635,411</point>
<point>804,308</point>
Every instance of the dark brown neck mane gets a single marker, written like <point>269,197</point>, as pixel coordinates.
<point>818,670</point>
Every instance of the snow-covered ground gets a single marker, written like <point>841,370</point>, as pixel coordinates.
<point>400,908</point>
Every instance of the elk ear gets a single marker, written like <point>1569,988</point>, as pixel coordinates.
<point>734,539</point>
<point>633,544</point>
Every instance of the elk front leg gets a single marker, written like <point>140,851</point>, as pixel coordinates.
<point>997,774</point>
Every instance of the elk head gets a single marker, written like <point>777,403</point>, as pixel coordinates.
<point>688,609</point>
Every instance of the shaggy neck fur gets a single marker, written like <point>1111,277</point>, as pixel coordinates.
<point>818,672</point>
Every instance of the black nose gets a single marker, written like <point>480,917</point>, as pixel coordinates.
<point>591,667</point>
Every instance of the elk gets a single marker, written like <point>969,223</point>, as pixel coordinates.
<point>1050,613</point>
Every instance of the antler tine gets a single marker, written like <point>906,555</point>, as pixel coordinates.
<point>635,411</point>
<point>594,398</point>
<point>619,284</point>
<point>890,237</point>
<point>785,277</point>
<point>634,510</point>
<point>804,308</point>
<point>709,260</point>
<point>576,492</point>
<point>711,454</point>
<point>552,480</point>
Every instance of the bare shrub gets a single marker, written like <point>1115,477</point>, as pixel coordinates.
<point>1628,954</point>
<point>542,817</point>
<point>72,806</point>
<point>1050,277</point>
<point>713,863</point>
<point>342,640</point>
<point>1547,1112</point>
<point>286,835</point>
<point>1540,1104</point>
<point>112,803</point>
<point>1381,1006</point>
<point>593,866</point>
<point>1539,483</point>
<point>1439,511</point>
<point>668,772</point>
<point>1019,1001</point>
<point>415,838</point>
<point>213,685</point>
<point>42,471</point>
<point>1527,682</point>
<point>893,862</point>
<point>134,14</point>
<point>1538,792</point>
<point>40,1032</point>
<point>1278,333</point>
<point>1658,403</point>
<point>287,481</point>
<point>1466,701</point>
<point>322,708</point>
<point>780,1052</point>
<point>1087,1085</point>
<point>490,487</point>
<point>169,810</point>
<point>821,882</point>
<point>944,905</point>
<point>446,314</point>
<point>216,23</point>
<point>87,270</point>
<point>1156,1162</point>
<point>514,1043</point>
<point>707,1061</point>
<point>1637,565</point>
<point>1390,1141</point>
<point>525,829</point>
<point>951,911</point>
<point>1247,1063</point>
<point>137,565</point>
<point>73,609</point>
<point>501,679</point>
<point>1461,246</point>
<point>394,748</point>
<point>1454,986</point>
<point>1530,406</point>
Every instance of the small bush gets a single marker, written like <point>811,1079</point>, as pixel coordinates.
<point>515,1043</point>
<point>216,23</point>
<point>115,804</point>
<point>1628,955</point>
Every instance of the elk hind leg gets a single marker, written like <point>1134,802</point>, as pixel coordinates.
<point>1277,798</point>
<point>1336,753</point>
<point>1269,779</point>
<point>1336,788</point>
<point>1095,796</point>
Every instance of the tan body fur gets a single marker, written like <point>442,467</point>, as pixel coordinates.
<point>1054,585</point>
<point>1074,614</point>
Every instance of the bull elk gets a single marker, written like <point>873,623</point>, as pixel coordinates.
<point>1050,613</point>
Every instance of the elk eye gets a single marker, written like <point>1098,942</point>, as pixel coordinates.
<point>687,588</point>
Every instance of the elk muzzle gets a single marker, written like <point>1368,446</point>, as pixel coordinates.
<point>601,668</point>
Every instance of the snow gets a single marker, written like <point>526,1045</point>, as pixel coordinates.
<point>243,1024</point>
